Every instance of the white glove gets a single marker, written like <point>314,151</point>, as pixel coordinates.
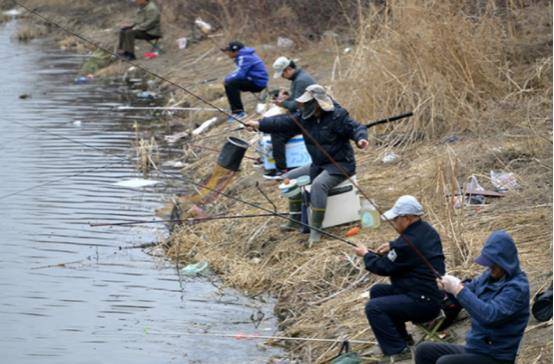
<point>451,284</point>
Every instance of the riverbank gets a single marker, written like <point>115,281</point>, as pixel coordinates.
<point>482,96</point>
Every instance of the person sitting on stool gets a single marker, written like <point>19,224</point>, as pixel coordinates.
<point>300,79</point>
<point>413,294</point>
<point>250,75</point>
<point>498,304</point>
<point>331,126</point>
<point>146,26</point>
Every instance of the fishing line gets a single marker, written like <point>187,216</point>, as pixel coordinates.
<point>189,220</point>
<point>243,336</point>
<point>341,169</point>
<point>137,65</point>
<point>351,180</point>
<point>46,183</point>
<point>192,182</point>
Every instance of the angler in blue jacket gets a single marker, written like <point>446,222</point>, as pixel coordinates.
<point>497,302</point>
<point>413,294</point>
<point>250,75</point>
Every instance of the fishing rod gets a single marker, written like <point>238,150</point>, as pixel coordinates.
<point>190,220</point>
<point>135,64</point>
<point>389,119</point>
<point>192,182</point>
<point>215,150</point>
<point>164,108</point>
<point>364,194</point>
<point>318,145</point>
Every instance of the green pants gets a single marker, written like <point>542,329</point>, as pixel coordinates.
<point>127,38</point>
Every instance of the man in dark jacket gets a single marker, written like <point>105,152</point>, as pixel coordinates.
<point>250,75</point>
<point>146,26</point>
<point>330,125</point>
<point>301,79</point>
<point>497,302</point>
<point>413,294</point>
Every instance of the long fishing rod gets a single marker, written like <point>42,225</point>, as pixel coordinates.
<point>164,108</point>
<point>192,182</point>
<point>351,180</point>
<point>215,150</point>
<point>389,119</point>
<point>137,65</point>
<point>343,171</point>
<point>190,220</point>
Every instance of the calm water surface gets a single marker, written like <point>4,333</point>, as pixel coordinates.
<point>68,294</point>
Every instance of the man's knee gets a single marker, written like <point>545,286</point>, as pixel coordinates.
<point>379,290</point>
<point>372,309</point>
<point>422,351</point>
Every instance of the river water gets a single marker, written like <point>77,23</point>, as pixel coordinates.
<point>68,293</point>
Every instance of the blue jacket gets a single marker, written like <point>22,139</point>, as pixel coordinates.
<point>249,67</point>
<point>407,272</point>
<point>333,130</point>
<point>499,310</point>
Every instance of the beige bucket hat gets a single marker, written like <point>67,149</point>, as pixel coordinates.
<point>318,93</point>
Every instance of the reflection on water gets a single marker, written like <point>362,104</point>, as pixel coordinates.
<point>69,294</point>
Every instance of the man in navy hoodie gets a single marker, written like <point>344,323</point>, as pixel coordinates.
<point>250,75</point>
<point>497,302</point>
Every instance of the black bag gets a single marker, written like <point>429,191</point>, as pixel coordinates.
<point>542,305</point>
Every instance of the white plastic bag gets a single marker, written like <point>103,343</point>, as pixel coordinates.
<point>503,181</point>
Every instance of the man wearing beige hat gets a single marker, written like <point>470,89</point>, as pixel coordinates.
<point>300,79</point>
<point>322,119</point>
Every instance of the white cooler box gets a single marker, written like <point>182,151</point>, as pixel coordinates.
<point>295,151</point>
<point>342,207</point>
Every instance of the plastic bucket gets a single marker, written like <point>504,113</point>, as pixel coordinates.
<point>232,153</point>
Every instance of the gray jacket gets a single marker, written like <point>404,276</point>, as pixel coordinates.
<point>300,80</point>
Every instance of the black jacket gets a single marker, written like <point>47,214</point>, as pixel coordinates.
<point>333,131</point>
<point>300,80</point>
<point>407,271</point>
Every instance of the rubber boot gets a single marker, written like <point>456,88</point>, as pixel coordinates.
<point>316,220</point>
<point>295,213</point>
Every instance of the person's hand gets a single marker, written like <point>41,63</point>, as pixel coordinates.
<point>383,249</point>
<point>362,144</point>
<point>360,251</point>
<point>450,284</point>
<point>252,125</point>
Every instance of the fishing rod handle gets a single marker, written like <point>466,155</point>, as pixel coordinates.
<point>389,119</point>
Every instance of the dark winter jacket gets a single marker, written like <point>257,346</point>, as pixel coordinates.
<point>300,80</point>
<point>499,309</point>
<point>147,19</point>
<point>333,130</point>
<point>249,67</point>
<point>407,271</point>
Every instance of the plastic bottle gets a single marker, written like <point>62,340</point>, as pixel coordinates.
<point>369,216</point>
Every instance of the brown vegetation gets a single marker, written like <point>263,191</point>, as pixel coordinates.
<point>477,71</point>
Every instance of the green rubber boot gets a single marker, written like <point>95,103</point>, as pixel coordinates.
<point>316,220</point>
<point>295,213</point>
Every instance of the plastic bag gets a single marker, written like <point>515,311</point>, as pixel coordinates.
<point>503,181</point>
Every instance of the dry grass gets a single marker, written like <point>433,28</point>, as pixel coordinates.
<point>463,75</point>
<point>27,31</point>
<point>483,74</point>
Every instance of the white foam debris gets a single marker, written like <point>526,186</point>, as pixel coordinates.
<point>137,183</point>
